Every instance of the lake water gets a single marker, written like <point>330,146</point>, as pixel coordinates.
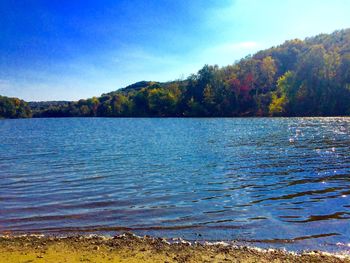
<point>282,182</point>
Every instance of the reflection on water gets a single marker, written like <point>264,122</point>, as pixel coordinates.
<point>273,182</point>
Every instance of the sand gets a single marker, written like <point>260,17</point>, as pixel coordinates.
<point>130,248</point>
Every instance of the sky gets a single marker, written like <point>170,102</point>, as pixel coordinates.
<point>68,50</point>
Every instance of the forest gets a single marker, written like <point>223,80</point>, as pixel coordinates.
<point>298,78</point>
<point>12,108</point>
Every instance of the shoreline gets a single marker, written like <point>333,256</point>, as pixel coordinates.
<point>131,248</point>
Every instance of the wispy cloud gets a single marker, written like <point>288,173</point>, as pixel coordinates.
<point>3,82</point>
<point>5,85</point>
<point>229,52</point>
<point>233,47</point>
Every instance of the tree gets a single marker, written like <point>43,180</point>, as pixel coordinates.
<point>297,78</point>
<point>279,102</point>
<point>14,108</point>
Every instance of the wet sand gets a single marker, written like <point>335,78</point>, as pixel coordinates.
<point>130,248</point>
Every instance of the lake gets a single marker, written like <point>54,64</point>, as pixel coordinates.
<point>268,182</point>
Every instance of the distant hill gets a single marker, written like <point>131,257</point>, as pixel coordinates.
<point>132,88</point>
<point>138,86</point>
<point>308,77</point>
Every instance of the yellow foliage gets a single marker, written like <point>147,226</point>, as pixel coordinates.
<point>277,106</point>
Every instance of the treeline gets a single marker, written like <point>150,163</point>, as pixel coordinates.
<point>11,108</point>
<point>297,78</point>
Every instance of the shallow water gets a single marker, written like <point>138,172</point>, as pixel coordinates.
<point>282,182</point>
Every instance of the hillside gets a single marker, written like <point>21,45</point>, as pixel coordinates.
<point>297,78</point>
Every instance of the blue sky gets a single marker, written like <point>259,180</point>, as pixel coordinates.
<point>67,50</point>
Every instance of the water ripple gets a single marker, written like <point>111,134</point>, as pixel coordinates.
<point>282,182</point>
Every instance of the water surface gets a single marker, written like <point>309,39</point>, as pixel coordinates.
<point>282,182</point>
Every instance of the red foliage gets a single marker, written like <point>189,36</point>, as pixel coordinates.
<point>235,84</point>
<point>247,83</point>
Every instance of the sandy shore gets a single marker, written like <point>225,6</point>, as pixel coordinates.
<point>129,248</point>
